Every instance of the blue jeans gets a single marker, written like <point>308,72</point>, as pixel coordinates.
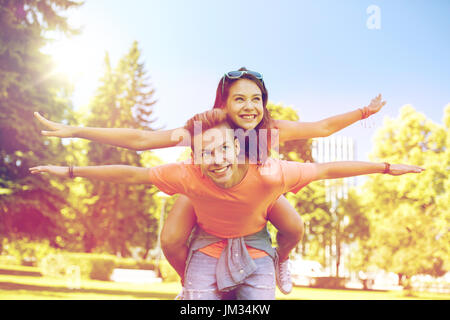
<point>200,282</point>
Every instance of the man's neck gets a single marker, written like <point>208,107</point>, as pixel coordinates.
<point>237,177</point>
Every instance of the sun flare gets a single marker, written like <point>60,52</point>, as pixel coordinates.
<point>74,58</point>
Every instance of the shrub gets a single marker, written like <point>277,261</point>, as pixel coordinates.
<point>130,263</point>
<point>92,266</point>
<point>26,252</point>
<point>167,273</point>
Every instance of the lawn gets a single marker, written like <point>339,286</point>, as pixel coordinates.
<point>19,287</point>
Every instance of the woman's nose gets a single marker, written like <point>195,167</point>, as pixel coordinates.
<point>248,105</point>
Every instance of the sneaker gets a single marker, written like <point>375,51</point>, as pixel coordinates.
<point>283,276</point>
<point>180,296</point>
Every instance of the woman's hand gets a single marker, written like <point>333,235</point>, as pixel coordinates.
<point>375,105</point>
<point>55,170</point>
<point>399,169</point>
<point>55,129</point>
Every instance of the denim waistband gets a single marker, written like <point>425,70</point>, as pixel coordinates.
<point>235,263</point>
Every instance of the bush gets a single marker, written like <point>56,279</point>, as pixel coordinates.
<point>26,252</point>
<point>130,263</point>
<point>168,273</point>
<point>92,266</point>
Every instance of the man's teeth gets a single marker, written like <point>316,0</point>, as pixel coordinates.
<point>220,170</point>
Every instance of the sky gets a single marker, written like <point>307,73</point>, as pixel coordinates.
<point>321,58</point>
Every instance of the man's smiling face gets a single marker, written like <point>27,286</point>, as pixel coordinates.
<point>219,156</point>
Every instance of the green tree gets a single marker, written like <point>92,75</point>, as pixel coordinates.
<point>295,150</point>
<point>409,216</point>
<point>117,216</point>
<point>310,202</point>
<point>29,206</point>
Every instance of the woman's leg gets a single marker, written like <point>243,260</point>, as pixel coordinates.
<point>175,233</point>
<point>289,225</point>
<point>290,231</point>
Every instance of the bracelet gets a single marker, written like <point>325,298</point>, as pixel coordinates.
<point>387,167</point>
<point>365,113</point>
<point>71,172</point>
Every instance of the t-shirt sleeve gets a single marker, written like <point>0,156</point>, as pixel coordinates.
<point>297,175</point>
<point>169,178</point>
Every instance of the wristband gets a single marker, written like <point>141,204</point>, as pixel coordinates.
<point>71,172</point>
<point>365,113</point>
<point>387,167</point>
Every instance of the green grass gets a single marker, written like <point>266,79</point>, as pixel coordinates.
<point>25,283</point>
<point>30,288</point>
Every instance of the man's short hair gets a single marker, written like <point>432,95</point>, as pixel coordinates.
<point>208,119</point>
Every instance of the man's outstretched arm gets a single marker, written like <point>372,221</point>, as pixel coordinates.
<point>343,169</point>
<point>111,173</point>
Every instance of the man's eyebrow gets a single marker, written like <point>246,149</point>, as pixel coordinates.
<point>223,144</point>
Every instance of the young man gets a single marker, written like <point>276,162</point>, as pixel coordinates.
<point>231,249</point>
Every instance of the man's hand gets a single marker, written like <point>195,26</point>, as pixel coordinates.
<point>55,170</point>
<point>399,169</point>
<point>56,129</point>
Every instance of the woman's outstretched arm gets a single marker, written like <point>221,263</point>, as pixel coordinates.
<point>295,130</point>
<point>119,137</point>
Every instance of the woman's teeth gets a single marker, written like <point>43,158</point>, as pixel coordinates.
<point>248,117</point>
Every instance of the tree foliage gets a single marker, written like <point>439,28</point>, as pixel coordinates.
<point>310,202</point>
<point>409,216</point>
<point>29,205</point>
<point>117,217</point>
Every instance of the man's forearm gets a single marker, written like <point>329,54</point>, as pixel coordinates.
<point>111,173</point>
<point>343,169</point>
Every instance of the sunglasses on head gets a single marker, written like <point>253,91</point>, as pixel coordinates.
<point>238,74</point>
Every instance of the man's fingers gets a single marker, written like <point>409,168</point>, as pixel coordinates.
<point>47,133</point>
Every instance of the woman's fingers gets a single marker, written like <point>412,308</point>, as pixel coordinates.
<point>54,129</point>
<point>44,121</point>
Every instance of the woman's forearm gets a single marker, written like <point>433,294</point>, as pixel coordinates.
<point>341,121</point>
<point>294,130</point>
<point>119,137</point>
<point>133,138</point>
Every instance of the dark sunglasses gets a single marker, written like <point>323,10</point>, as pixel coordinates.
<point>238,74</point>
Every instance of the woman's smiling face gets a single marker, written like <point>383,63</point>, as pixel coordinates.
<point>245,104</point>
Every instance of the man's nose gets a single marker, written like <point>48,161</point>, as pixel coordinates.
<point>219,158</point>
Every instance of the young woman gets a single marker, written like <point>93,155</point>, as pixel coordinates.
<point>231,249</point>
<point>243,95</point>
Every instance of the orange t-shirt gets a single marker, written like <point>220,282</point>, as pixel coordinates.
<point>242,209</point>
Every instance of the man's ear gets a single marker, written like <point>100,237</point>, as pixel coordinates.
<point>237,146</point>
